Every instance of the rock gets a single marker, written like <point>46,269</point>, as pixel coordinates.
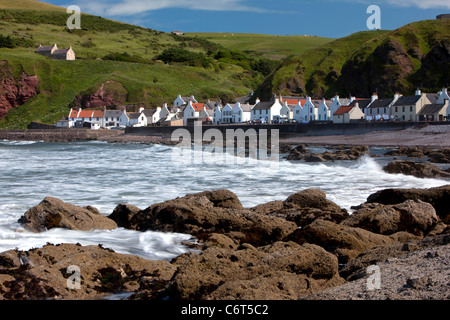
<point>208,212</point>
<point>270,207</point>
<point>311,198</point>
<point>222,199</point>
<point>412,152</point>
<point>219,273</point>
<point>420,170</point>
<point>437,197</point>
<point>15,91</point>
<point>413,216</point>
<point>54,213</point>
<point>122,215</point>
<point>102,272</point>
<point>314,158</point>
<point>356,268</point>
<point>344,241</point>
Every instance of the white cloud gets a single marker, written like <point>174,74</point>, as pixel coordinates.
<point>422,4</point>
<point>132,7</point>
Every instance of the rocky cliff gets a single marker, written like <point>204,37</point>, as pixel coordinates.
<point>15,91</point>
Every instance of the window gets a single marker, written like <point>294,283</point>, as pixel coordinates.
<point>403,109</point>
<point>411,109</point>
<point>297,111</point>
<point>384,110</point>
<point>396,109</point>
<point>310,110</point>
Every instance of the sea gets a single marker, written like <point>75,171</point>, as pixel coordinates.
<point>104,175</point>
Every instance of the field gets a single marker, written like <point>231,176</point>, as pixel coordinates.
<point>267,46</point>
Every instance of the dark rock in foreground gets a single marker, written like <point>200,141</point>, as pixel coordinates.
<point>210,212</point>
<point>413,216</point>
<point>420,170</point>
<point>44,273</point>
<point>280,271</point>
<point>54,213</point>
<point>437,197</point>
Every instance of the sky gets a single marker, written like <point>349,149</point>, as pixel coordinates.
<point>324,18</point>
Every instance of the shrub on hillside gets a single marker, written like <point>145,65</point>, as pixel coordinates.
<point>180,55</point>
<point>13,42</point>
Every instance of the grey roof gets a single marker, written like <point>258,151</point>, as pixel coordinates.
<point>44,48</point>
<point>113,113</point>
<point>407,100</point>
<point>430,109</point>
<point>363,103</point>
<point>344,101</point>
<point>209,112</point>
<point>381,103</point>
<point>263,105</point>
<point>212,104</point>
<point>433,97</point>
<point>245,107</point>
<point>133,115</point>
<point>149,112</point>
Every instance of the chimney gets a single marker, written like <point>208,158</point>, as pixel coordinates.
<point>308,99</point>
<point>396,96</point>
<point>418,92</point>
<point>257,101</point>
<point>374,97</point>
<point>141,109</point>
<point>357,105</point>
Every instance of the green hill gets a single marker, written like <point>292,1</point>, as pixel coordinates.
<point>267,46</point>
<point>109,52</point>
<point>388,61</point>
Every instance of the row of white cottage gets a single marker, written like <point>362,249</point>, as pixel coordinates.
<point>421,106</point>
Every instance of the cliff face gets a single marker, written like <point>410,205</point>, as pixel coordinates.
<point>15,92</point>
<point>109,93</point>
<point>416,55</point>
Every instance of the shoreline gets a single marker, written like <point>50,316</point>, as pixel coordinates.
<point>428,136</point>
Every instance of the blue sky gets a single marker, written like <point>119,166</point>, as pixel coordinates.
<point>326,18</point>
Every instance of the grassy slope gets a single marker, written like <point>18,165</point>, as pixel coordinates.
<point>318,69</point>
<point>268,46</point>
<point>61,81</point>
<point>29,4</point>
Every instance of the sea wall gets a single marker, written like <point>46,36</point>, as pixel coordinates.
<point>56,135</point>
<point>311,129</point>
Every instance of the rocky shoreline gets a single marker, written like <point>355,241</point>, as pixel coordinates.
<point>305,247</point>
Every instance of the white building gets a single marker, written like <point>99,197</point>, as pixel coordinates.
<point>192,111</point>
<point>324,110</point>
<point>311,109</point>
<point>443,95</point>
<point>217,117</point>
<point>112,118</point>
<point>347,114</point>
<point>241,112</point>
<point>267,112</point>
<point>181,101</point>
<point>152,116</point>
<point>227,114</point>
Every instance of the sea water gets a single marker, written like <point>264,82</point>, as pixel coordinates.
<point>104,175</point>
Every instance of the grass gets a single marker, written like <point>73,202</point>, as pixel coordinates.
<point>61,81</point>
<point>266,46</point>
<point>29,4</point>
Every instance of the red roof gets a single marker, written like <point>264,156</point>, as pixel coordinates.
<point>294,101</point>
<point>85,114</point>
<point>343,109</point>
<point>73,114</point>
<point>198,106</point>
<point>98,114</point>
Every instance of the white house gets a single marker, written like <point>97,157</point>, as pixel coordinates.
<point>311,108</point>
<point>227,114</point>
<point>347,114</point>
<point>287,111</point>
<point>443,95</point>
<point>217,117</point>
<point>380,109</point>
<point>192,111</point>
<point>181,101</point>
<point>242,112</point>
<point>112,118</point>
<point>207,114</point>
<point>152,116</point>
<point>324,110</point>
<point>266,112</point>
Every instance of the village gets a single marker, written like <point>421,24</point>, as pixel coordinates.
<point>280,109</point>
